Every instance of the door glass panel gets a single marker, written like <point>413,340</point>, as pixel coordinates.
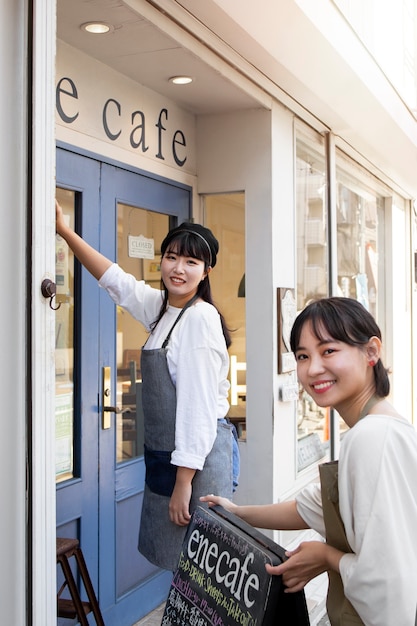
<point>131,335</point>
<point>225,216</point>
<point>64,346</point>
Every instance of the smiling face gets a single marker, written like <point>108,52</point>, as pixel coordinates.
<point>181,276</point>
<point>335,373</point>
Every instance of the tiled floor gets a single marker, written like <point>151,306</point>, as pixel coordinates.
<point>153,619</point>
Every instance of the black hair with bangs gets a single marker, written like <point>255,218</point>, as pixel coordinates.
<point>189,245</point>
<point>198,242</point>
<point>345,320</point>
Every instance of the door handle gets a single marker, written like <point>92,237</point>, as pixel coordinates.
<point>106,395</point>
<point>112,409</point>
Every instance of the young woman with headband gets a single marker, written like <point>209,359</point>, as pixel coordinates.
<point>189,445</point>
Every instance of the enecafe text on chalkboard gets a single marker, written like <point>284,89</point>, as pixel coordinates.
<point>221,578</point>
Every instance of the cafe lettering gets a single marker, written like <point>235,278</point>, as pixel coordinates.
<point>226,569</point>
<point>116,122</point>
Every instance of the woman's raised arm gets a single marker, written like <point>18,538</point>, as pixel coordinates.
<point>92,260</point>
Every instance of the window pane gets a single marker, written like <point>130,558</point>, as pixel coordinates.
<point>225,216</point>
<point>64,346</point>
<point>130,334</point>
<point>358,209</point>
<point>312,279</point>
<point>311,221</point>
<point>360,224</point>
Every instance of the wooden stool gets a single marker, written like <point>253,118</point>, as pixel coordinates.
<point>65,549</point>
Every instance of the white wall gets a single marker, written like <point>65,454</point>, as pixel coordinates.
<point>253,151</point>
<point>398,353</point>
<point>13,259</point>
<point>42,318</point>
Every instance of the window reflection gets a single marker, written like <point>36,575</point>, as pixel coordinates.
<point>359,214</point>
<point>133,222</point>
<point>225,216</point>
<point>312,279</point>
<point>358,210</point>
<point>64,347</point>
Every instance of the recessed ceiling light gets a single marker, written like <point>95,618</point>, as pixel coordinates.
<point>97,28</point>
<point>181,80</point>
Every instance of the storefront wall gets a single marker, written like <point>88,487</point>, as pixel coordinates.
<point>249,151</point>
<point>118,118</point>
<point>253,151</point>
<point>243,141</point>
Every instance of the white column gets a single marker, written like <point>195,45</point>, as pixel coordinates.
<point>42,162</point>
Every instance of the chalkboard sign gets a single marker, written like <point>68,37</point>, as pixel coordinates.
<point>221,578</point>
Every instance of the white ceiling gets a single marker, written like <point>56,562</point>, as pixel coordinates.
<point>141,51</point>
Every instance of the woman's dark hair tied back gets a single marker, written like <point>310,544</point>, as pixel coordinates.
<point>346,320</point>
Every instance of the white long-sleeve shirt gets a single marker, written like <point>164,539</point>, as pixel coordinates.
<point>378,505</point>
<point>198,361</point>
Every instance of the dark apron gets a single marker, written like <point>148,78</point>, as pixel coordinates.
<point>339,609</point>
<point>160,540</point>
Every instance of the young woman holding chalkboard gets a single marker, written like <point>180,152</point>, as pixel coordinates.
<point>366,506</point>
<point>189,445</point>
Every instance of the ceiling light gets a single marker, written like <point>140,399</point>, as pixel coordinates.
<point>181,80</point>
<point>97,28</point>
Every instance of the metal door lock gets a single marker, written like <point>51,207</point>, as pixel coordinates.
<point>48,289</point>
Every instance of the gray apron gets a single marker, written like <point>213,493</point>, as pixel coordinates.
<point>160,540</point>
<point>339,609</point>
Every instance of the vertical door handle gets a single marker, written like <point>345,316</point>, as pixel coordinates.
<point>107,407</point>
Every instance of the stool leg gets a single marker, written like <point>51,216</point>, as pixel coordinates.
<point>66,568</point>
<point>82,567</point>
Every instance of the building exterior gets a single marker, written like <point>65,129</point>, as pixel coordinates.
<point>296,143</point>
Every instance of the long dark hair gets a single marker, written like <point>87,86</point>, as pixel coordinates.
<point>198,242</point>
<point>346,320</point>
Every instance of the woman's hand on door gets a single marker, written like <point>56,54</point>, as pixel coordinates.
<point>92,260</point>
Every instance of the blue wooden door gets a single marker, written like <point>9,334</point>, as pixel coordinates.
<point>112,205</point>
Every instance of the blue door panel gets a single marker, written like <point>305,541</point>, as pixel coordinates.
<point>133,576</point>
<point>77,499</point>
<point>102,504</point>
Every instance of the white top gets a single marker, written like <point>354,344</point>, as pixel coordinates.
<point>198,361</point>
<point>378,506</point>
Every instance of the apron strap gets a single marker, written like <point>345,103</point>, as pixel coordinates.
<point>188,304</point>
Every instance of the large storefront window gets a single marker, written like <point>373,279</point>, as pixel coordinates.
<point>225,215</point>
<point>360,210</point>
<point>359,214</point>
<point>313,430</point>
<point>311,184</point>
